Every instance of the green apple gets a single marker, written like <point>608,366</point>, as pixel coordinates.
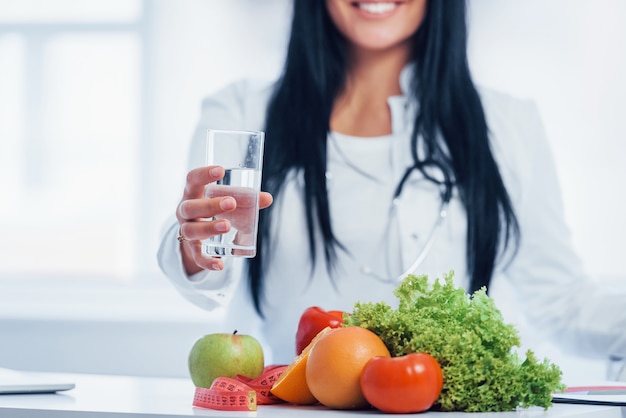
<point>225,355</point>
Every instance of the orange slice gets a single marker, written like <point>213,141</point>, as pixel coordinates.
<point>291,386</point>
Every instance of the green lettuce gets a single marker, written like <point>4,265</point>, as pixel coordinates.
<point>468,336</point>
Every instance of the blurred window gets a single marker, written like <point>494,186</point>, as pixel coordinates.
<point>78,11</point>
<point>70,133</point>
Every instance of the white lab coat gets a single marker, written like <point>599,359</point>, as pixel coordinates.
<point>544,285</point>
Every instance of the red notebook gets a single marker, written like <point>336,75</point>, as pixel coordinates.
<point>593,395</point>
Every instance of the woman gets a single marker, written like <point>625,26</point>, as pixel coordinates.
<point>383,158</point>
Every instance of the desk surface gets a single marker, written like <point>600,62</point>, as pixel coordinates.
<point>97,396</point>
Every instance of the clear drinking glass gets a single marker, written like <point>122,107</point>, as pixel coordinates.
<point>241,155</point>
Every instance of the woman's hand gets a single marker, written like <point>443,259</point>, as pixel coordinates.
<point>192,212</point>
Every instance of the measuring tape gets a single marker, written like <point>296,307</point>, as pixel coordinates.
<point>240,393</point>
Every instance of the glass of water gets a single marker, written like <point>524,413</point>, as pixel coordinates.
<point>241,155</point>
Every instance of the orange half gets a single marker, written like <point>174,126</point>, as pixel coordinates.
<point>291,386</point>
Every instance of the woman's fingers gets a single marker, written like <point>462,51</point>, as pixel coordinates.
<point>194,212</point>
<point>201,261</point>
<point>265,199</point>
<point>198,178</point>
<point>204,208</point>
<point>196,231</point>
<point>193,230</point>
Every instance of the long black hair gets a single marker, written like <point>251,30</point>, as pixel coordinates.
<point>450,121</point>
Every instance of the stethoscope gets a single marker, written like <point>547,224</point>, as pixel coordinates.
<point>445,185</point>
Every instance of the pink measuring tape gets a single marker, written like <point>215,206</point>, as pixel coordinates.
<point>240,393</point>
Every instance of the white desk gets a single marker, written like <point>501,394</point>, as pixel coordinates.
<point>97,396</point>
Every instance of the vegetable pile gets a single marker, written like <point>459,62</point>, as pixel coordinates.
<point>469,339</point>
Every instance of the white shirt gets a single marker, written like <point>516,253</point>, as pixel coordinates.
<point>543,285</point>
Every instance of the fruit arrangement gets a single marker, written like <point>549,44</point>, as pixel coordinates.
<point>440,349</point>
<point>350,367</point>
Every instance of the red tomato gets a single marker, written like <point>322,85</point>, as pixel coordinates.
<point>312,321</point>
<point>402,385</point>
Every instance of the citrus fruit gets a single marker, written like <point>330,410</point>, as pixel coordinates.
<point>336,360</point>
<point>291,386</point>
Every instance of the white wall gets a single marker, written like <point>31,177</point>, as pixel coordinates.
<point>570,56</point>
<point>197,47</point>
<point>99,325</point>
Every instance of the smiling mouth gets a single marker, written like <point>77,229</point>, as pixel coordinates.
<point>376,7</point>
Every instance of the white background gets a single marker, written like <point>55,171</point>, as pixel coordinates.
<point>568,55</point>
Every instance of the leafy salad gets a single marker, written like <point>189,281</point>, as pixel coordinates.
<point>468,336</point>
